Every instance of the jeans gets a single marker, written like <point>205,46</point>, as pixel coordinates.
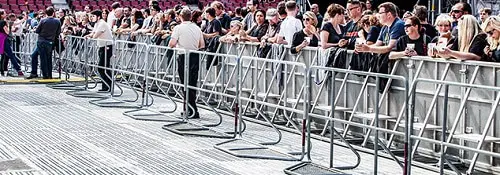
<point>105,54</point>
<point>192,79</point>
<point>34,62</point>
<point>45,51</point>
<point>13,59</point>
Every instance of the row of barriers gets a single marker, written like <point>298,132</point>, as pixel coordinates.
<point>434,113</point>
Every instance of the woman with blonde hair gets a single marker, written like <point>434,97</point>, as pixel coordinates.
<point>308,36</point>
<point>491,26</point>
<point>470,42</point>
<point>235,32</point>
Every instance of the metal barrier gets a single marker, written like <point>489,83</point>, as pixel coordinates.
<point>353,99</point>
<point>128,64</point>
<point>243,148</point>
<point>445,142</point>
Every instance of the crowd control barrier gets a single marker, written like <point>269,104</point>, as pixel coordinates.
<point>284,88</point>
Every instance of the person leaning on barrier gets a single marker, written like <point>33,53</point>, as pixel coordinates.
<point>234,33</point>
<point>470,43</point>
<point>271,35</point>
<point>332,31</point>
<point>307,36</point>
<point>389,34</point>
<point>492,27</point>
<point>370,29</point>
<point>154,22</point>
<point>443,26</point>
<point>102,31</point>
<point>188,35</point>
<point>48,32</point>
<point>213,27</point>
<point>259,28</point>
<point>413,43</point>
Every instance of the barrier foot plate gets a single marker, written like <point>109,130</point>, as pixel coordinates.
<point>113,103</point>
<point>65,86</point>
<point>245,149</point>
<point>148,115</point>
<point>311,168</point>
<point>86,94</point>
<point>189,129</point>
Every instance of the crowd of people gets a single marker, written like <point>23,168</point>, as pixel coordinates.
<point>356,26</point>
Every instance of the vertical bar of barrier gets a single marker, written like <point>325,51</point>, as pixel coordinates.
<point>112,85</point>
<point>86,64</point>
<point>443,134</point>
<point>332,123</point>
<point>409,126</point>
<point>145,90</point>
<point>307,107</point>
<point>238,122</point>
<point>375,144</point>
<point>406,151</point>
<point>186,78</point>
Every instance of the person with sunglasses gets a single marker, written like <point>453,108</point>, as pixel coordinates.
<point>355,9</point>
<point>492,27</point>
<point>307,36</point>
<point>470,42</point>
<point>457,11</point>
<point>414,37</point>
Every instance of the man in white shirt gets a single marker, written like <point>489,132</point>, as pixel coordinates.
<point>112,16</point>
<point>103,31</point>
<point>188,35</point>
<point>290,25</point>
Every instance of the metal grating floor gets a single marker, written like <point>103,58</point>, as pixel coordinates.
<point>55,133</point>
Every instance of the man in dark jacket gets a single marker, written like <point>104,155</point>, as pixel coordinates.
<point>48,32</point>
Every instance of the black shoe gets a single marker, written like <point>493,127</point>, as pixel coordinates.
<point>196,115</point>
<point>32,76</point>
<point>103,90</point>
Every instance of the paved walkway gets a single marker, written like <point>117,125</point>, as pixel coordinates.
<point>46,131</point>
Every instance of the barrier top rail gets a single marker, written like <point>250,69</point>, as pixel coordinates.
<point>457,84</point>
<point>340,70</point>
